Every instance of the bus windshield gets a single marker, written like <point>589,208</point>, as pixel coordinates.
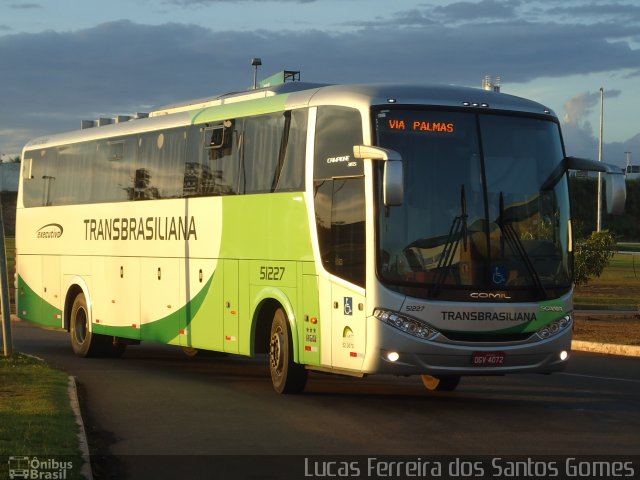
<point>474,217</point>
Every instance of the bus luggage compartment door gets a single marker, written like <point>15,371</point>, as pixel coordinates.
<point>230,306</point>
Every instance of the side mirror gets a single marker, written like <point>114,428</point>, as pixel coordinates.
<point>393,183</point>
<point>393,175</point>
<point>614,180</point>
<point>616,193</point>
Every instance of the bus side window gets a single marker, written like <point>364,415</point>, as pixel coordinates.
<point>160,165</point>
<point>70,184</point>
<point>111,169</point>
<point>212,164</point>
<point>260,152</point>
<point>293,153</point>
<point>33,184</point>
<point>198,178</point>
<point>223,152</point>
<point>42,170</point>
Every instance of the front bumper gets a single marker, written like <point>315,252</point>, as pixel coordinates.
<point>441,356</point>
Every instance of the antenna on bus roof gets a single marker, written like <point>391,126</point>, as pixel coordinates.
<point>255,63</point>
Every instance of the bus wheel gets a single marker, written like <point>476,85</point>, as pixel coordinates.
<point>286,375</point>
<point>83,342</point>
<point>440,384</point>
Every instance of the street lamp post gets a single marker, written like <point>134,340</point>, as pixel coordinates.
<point>599,214</point>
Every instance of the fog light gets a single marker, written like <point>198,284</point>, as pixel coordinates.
<point>393,356</point>
<point>564,355</point>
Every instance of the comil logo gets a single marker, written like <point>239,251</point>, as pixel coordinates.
<point>50,230</point>
<point>489,296</point>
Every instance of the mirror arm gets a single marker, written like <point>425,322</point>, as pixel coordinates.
<point>362,152</point>
<point>576,163</point>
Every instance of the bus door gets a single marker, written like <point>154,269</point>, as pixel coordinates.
<point>348,333</point>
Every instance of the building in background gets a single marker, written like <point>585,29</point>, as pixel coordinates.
<point>9,176</point>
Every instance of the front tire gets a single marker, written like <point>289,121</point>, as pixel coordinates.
<point>286,375</point>
<point>83,341</point>
<point>440,384</point>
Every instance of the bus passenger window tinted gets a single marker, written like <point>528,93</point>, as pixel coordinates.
<point>37,188</point>
<point>224,162</point>
<point>160,166</point>
<point>112,169</point>
<point>198,177</point>
<point>69,185</point>
<point>338,129</point>
<point>257,154</point>
<point>291,176</point>
<point>262,139</point>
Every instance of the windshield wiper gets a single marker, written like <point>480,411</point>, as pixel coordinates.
<point>457,232</point>
<point>513,239</point>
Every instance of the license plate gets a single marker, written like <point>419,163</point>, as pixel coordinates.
<point>488,359</point>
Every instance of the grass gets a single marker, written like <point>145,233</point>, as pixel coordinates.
<point>618,287</point>
<point>36,419</point>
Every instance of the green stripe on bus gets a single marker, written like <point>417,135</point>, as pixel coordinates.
<point>34,308</point>
<point>241,109</point>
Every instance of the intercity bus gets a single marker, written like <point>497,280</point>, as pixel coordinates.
<point>353,229</point>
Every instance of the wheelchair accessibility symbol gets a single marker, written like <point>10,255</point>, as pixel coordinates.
<point>499,275</point>
<point>348,305</point>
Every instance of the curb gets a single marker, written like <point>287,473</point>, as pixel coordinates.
<point>607,348</point>
<point>83,445</point>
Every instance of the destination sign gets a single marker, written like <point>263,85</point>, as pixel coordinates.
<point>421,125</point>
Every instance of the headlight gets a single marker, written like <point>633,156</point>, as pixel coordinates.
<point>555,328</point>
<point>408,325</point>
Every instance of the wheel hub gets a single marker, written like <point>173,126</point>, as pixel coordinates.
<point>275,351</point>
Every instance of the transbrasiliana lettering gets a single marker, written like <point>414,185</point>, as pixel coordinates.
<point>142,228</point>
<point>489,316</point>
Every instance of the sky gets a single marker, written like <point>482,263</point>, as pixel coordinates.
<point>65,61</point>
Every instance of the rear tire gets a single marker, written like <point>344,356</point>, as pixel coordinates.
<point>286,375</point>
<point>83,341</point>
<point>440,384</point>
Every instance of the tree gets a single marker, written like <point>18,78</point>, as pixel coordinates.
<point>592,255</point>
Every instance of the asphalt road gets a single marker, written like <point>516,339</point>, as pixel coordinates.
<point>156,402</point>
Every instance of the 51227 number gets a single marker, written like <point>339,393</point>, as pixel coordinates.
<point>271,273</point>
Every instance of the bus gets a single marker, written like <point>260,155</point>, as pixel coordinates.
<point>351,229</point>
<point>632,172</point>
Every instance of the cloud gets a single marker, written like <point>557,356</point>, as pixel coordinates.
<point>609,10</point>
<point>474,11</point>
<point>581,138</point>
<point>187,3</point>
<point>579,106</point>
<point>51,80</point>
<point>25,6</point>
